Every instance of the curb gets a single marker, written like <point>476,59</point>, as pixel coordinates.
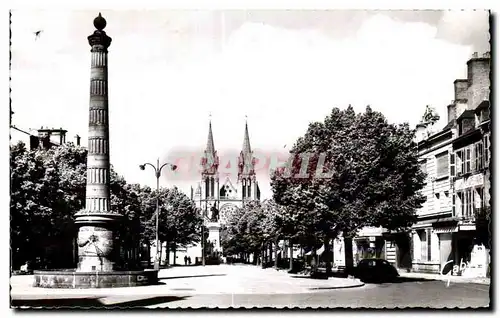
<point>338,287</point>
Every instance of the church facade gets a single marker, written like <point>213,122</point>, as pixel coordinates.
<point>218,195</point>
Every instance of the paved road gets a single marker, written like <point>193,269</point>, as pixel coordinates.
<point>409,294</point>
<point>246,286</point>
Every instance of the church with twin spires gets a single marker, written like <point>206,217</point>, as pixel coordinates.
<point>221,192</point>
<point>218,196</point>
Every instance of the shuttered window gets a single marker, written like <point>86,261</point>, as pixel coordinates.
<point>478,156</point>
<point>429,244</point>
<point>467,160</point>
<point>486,148</point>
<point>452,164</point>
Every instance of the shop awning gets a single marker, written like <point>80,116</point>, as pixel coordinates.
<point>468,227</point>
<point>447,229</point>
<point>421,226</point>
<point>319,251</point>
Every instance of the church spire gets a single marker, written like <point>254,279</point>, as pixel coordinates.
<point>210,141</point>
<point>210,160</point>
<point>246,141</point>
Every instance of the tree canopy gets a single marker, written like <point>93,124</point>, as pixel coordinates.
<point>350,171</point>
<point>48,188</point>
<point>250,227</point>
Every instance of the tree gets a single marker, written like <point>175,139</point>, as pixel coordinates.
<point>179,220</point>
<point>372,177</point>
<point>251,228</point>
<point>48,188</point>
<point>235,234</point>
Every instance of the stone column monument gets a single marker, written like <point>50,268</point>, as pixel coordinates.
<point>96,221</point>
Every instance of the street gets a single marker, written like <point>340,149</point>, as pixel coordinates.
<point>227,286</point>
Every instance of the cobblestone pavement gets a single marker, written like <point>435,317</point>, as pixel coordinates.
<point>249,286</point>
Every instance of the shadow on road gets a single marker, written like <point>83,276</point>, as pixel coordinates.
<point>320,277</point>
<point>192,276</point>
<point>397,280</point>
<point>76,303</point>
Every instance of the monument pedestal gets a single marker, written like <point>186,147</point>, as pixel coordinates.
<point>95,241</point>
<point>214,235</point>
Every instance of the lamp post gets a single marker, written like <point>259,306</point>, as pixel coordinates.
<point>157,170</point>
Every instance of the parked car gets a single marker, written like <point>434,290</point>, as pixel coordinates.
<point>375,270</point>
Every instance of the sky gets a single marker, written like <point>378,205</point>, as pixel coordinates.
<point>171,71</point>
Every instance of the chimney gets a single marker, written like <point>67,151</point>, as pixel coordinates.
<point>461,86</point>
<point>452,112</point>
<point>478,75</point>
<point>421,132</point>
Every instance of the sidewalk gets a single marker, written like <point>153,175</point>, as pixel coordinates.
<point>455,279</point>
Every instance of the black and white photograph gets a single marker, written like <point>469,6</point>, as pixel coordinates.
<point>195,158</point>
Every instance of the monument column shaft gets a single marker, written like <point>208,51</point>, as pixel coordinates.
<point>96,237</point>
<point>98,167</point>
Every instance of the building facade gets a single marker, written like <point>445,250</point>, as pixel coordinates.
<point>43,138</point>
<point>452,227</point>
<point>218,196</point>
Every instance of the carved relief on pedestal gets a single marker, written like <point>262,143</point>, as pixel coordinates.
<point>94,241</point>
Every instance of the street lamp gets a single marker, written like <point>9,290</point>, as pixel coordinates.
<point>157,170</point>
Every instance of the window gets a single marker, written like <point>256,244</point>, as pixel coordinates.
<point>486,149</point>
<point>429,244</point>
<point>207,187</point>
<point>423,245</point>
<point>460,164</point>
<point>461,197</point>
<point>478,156</point>
<point>453,210</point>
<point>452,164</point>
<point>466,203</point>
<point>480,196</point>
<point>423,167</point>
<point>467,160</point>
<point>470,203</point>
<point>442,167</point>
<point>484,115</point>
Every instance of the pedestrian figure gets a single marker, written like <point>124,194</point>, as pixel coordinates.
<point>185,260</point>
<point>313,265</point>
<point>189,260</point>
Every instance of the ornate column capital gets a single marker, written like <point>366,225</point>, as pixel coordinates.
<point>99,40</point>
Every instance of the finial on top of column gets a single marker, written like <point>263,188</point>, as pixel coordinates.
<point>100,22</point>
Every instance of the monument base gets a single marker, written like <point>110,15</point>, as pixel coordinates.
<point>96,240</point>
<point>70,278</point>
<point>214,235</point>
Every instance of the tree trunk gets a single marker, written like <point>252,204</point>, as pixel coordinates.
<point>276,254</point>
<point>291,254</point>
<point>167,257</point>
<point>149,254</point>
<point>349,264</point>
<point>270,247</point>
<point>263,256</point>
<point>175,253</point>
<point>328,256</point>
<point>161,251</point>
